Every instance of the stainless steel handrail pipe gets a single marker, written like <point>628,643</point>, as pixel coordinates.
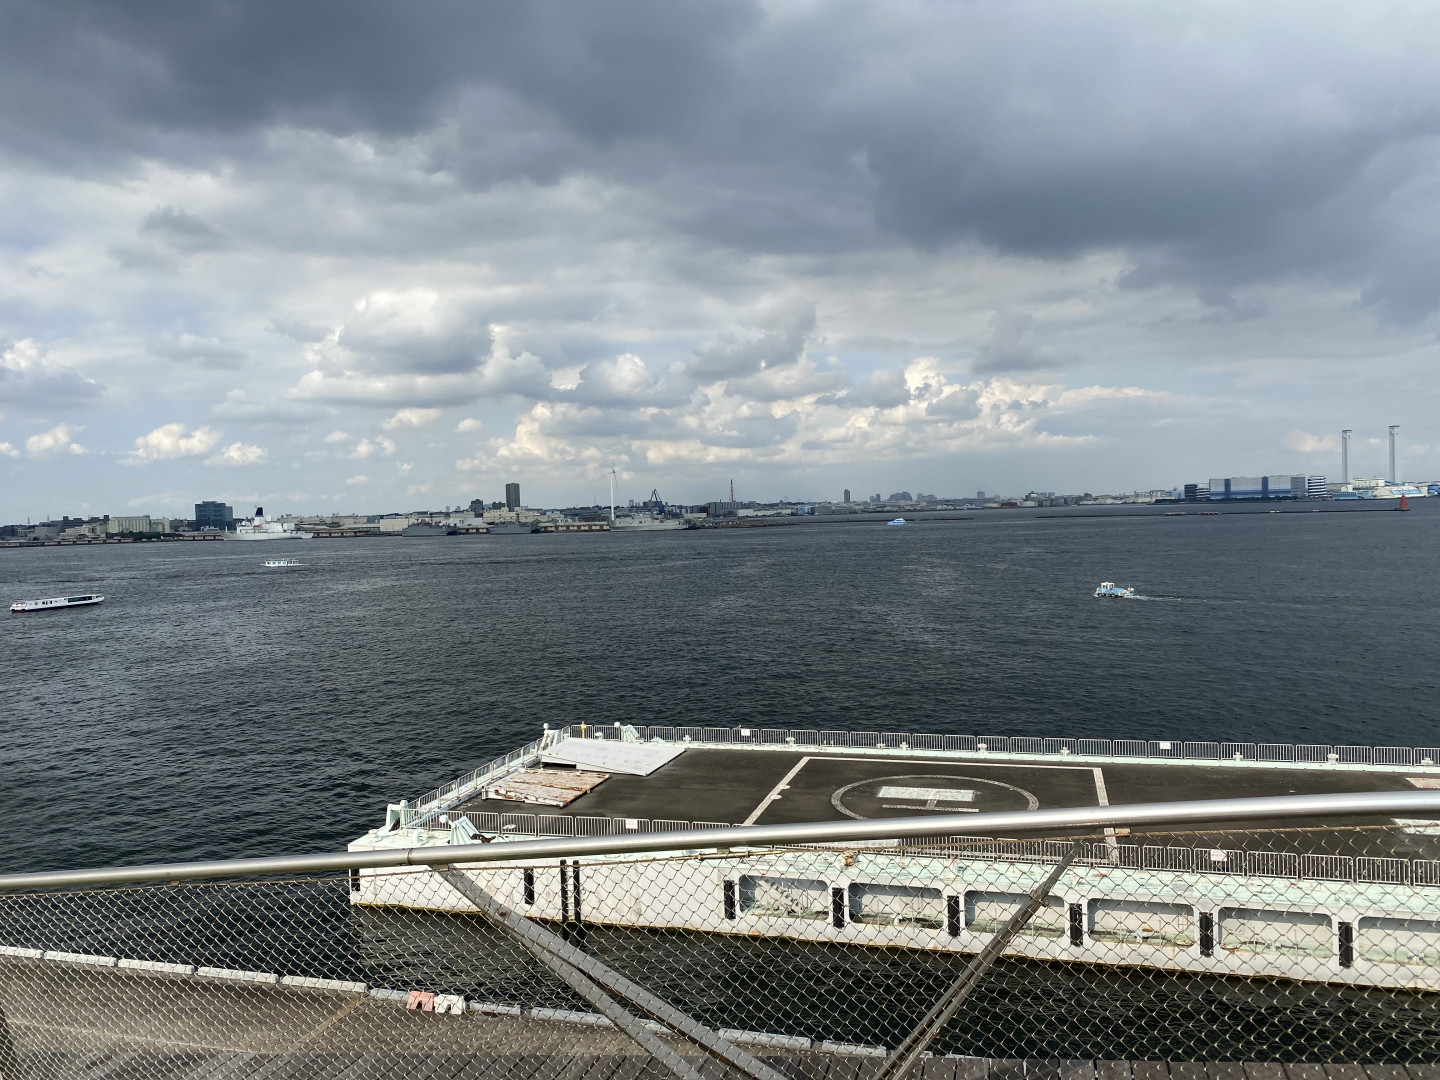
<point>1265,813</point>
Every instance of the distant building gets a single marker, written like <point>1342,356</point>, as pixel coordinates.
<point>1280,486</point>
<point>512,496</point>
<point>979,496</point>
<point>477,506</point>
<point>901,496</point>
<point>724,509</point>
<point>847,495</point>
<point>140,524</point>
<point>213,515</point>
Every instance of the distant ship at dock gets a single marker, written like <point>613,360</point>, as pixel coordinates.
<point>260,527</point>
<point>645,523</point>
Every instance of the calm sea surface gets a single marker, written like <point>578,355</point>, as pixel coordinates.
<point>212,707</point>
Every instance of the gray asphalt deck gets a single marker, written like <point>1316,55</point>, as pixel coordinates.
<point>773,787</point>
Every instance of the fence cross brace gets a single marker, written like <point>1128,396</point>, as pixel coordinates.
<point>943,1011</point>
<point>571,965</point>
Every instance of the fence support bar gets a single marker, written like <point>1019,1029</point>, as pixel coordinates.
<point>943,1011</point>
<point>1262,812</point>
<point>538,940</point>
<point>582,984</point>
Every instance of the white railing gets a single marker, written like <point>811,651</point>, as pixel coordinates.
<point>1149,749</point>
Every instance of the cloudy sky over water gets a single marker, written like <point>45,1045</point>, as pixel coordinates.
<point>384,256</point>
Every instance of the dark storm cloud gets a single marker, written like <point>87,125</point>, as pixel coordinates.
<point>779,344</point>
<point>1216,147</point>
<point>184,232</point>
<point>218,67</point>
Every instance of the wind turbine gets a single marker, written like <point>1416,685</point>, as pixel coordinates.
<point>612,493</point>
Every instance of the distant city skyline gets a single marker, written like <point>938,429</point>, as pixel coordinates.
<point>1073,248</point>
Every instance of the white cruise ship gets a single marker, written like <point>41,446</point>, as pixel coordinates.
<point>260,527</point>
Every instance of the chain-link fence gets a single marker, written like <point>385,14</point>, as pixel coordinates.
<point>937,958</point>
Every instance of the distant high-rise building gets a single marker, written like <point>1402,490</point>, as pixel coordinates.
<point>512,496</point>
<point>477,506</point>
<point>847,495</point>
<point>213,515</point>
<point>980,496</point>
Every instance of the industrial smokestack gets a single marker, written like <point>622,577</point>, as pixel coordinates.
<point>1394,475</point>
<point>1345,456</point>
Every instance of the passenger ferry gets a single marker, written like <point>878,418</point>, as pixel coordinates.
<point>898,521</point>
<point>281,562</point>
<point>20,606</point>
<point>1110,589</point>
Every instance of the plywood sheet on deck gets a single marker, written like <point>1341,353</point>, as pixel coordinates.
<point>544,787</point>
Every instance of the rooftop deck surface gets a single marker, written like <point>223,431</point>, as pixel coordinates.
<point>775,787</point>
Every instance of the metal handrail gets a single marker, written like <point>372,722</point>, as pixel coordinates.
<point>1263,812</point>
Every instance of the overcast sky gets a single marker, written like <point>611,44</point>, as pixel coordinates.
<point>383,256</point>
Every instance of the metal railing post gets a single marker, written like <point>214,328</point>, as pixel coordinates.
<point>913,1045</point>
<point>547,947</point>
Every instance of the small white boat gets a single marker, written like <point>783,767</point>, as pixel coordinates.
<point>282,562</point>
<point>54,603</point>
<point>1119,592</point>
<point>898,521</point>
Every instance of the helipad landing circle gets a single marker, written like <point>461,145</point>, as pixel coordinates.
<point>919,793</point>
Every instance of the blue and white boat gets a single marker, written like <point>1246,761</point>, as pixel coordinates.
<point>1110,589</point>
<point>898,521</point>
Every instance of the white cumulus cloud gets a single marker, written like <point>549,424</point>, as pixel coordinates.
<point>379,446</point>
<point>360,479</point>
<point>27,373</point>
<point>170,441</point>
<point>8,450</point>
<point>239,453</point>
<point>468,424</point>
<point>1305,443</point>
<point>411,418</point>
<point>59,440</point>
<point>337,437</point>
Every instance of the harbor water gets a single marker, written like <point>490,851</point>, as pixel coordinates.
<point>213,707</point>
